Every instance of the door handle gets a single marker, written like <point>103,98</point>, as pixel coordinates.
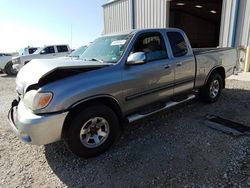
<point>167,66</point>
<point>179,64</point>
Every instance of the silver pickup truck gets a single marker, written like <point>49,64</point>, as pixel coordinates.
<point>120,78</point>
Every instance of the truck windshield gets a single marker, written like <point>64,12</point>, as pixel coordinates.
<point>107,49</point>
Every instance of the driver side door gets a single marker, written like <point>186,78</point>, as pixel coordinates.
<point>152,81</point>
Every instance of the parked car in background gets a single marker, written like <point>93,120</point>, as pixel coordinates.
<point>5,63</point>
<point>119,78</point>
<point>74,55</point>
<point>47,52</point>
<point>78,52</point>
<point>28,50</point>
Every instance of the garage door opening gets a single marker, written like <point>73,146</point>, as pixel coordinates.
<point>199,19</point>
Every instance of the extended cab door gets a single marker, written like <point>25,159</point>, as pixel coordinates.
<point>152,81</point>
<point>184,62</point>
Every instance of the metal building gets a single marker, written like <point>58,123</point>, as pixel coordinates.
<point>231,17</point>
<point>209,23</point>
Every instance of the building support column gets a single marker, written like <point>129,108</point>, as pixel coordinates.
<point>247,60</point>
<point>132,14</point>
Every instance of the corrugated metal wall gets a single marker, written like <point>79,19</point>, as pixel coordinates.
<point>243,24</point>
<point>227,23</point>
<point>117,16</point>
<point>147,17</point>
<point>242,37</point>
<point>243,31</point>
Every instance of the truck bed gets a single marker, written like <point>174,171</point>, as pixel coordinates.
<point>198,51</point>
<point>207,58</point>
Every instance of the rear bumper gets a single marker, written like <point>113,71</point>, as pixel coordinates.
<point>35,129</point>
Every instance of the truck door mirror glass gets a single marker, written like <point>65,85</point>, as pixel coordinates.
<point>42,52</point>
<point>136,58</point>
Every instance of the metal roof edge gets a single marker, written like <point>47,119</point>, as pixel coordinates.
<point>108,3</point>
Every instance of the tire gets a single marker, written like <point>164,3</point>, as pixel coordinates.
<point>210,93</point>
<point>26,62</point>
<point>82,139</point>
<point>8,69</point>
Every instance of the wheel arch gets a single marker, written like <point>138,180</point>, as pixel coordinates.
<point>221,71</point>
<point>107,100</point>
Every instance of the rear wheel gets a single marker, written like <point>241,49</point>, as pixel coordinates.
<point>212,90</point>
<point>8,69</point>
<point>92,131</point>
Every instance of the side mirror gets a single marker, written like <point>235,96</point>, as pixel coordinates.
<point>136,58</point>
<point>42,52</point>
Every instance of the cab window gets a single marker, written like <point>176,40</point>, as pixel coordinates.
<point>178,44</point>
<point>152,44</point>
<point>62,48</point>
<point>48,50</point>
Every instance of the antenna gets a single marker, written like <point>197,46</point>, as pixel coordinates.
<point>71,36</point>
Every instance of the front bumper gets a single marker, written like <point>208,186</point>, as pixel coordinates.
<point>35,129</point>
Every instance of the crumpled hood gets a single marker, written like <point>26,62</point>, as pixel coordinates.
<point>38,69</point>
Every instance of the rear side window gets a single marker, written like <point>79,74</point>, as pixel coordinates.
<point>62,48</point>
<point>48,50</point>
<point>178,44</point>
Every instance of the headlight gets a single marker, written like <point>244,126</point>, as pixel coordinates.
<point>35,100</point>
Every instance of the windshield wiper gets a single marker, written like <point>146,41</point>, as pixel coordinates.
<point>95,59</point>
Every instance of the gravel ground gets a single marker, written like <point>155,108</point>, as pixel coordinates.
<point>174,148</point>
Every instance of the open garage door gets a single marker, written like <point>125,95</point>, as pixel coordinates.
<point>199,19</point>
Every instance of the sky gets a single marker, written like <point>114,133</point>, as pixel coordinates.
<point>44,22</point>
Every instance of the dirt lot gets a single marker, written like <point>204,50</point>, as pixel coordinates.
<point>174,148</point>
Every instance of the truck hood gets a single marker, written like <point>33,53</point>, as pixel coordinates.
<point>42,71</point>
<point>27,56</point>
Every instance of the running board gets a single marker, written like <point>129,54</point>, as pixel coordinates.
<point>137,116</point>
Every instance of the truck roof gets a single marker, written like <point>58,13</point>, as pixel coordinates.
<point>145,30</point>
<point>55,45</point>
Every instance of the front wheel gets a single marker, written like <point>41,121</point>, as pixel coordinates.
<point>212,90</point>
<point>92,131</point>
<point>8,69</point>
